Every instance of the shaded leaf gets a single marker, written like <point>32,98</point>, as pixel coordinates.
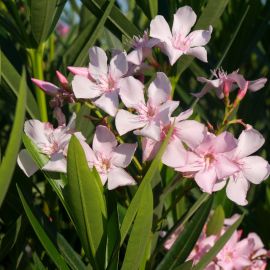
<point>216,221</point>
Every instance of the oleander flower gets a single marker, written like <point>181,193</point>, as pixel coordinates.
<point>110,159</point>
<point>149,114</point>
<point>180,41</point>
<point>102,83</point>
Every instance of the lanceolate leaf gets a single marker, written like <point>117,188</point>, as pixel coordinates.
<point>44,15</point>
<point>140,232</point>
<point>187,239</point>
<point>10,75</point>
<point>42,236</point>
<point>216,221</point>
<point>86,203</point>
<point>209,256</point>
<point>10,157</point>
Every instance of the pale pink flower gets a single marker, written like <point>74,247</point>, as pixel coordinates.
<point>142,48</point>
<point>225,83</point>
<point>110,159</point>
<point>104,83</point>
<point>252,169</point>
<point>180,41</point>
<point>149,114</point>
<point>49,141</point>
<point>189,132</point>
<point>208,162</point>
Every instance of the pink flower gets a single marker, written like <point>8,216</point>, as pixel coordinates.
<point>208,162</point>
<point>104,83</point>
<point>110,159</point>
<point>225,83</point>
<point>149,114</point>
<point>62,29</point>
<point>189,132</point>
<point>180,41</point>
<point>252,169</point>
<point>142,48</point>
<point>51,142</point>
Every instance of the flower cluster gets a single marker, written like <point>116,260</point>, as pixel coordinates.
<point>214,159</point>
<point>238,253</point>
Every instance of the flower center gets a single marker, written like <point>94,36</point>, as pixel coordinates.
<point>106,83</point>
<point>181,42</point>
<point>209,159</point>
<point>146,112</point>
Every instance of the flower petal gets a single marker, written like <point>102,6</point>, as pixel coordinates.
<point>183,20</point>
<point>57,163</point>
<point>206,179</point>
<point>126,121</point>
<point>249,141</point>
<point>108,102</point>
<point>257,84</point>
<point>84,88</point>
<point>118,66</point>
<point>122,155</point>
<point>198,52</point>
<point>104,141</point>
<point>119,177</point>
<point>255,169</point>
<point>225,167</point>
<point>82,71</point>
<point>131,92</point>
<point>136,56</point>
<point>237,189</point>
<point>151,130</point>
<point>172,53</point>
<point>224,142</point>
<point>160,29</point>
<point>150,148</point>
<point>160,89</point>
<point>47,87</point>
<point>184,115</point>
<point>98,62</point>
<point>200,37</point>
<point>26,163</point>
<point>175,154</point>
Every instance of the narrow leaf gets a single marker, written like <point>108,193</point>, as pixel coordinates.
<point>10,157</point>
<point>216,221</point>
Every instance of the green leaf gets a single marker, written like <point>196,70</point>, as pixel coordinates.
<point>95,34</point>
<point>210,255</point>
<point>148,178</point>
<point>216,221</point>
<point>10,75</point>
<point>184,266</point>
<point>38,265</point>
<point>42,235</point>
<point>117,22</point>
<point>140,232</point>
<point>10,157</point>
<point>84,197</point>
<point>150,8</point>
<point>187,239</point>
<point>44,15</point>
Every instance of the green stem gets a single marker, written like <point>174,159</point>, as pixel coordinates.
<point>36,56</point>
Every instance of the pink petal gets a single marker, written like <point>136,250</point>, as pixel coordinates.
<point>150,148</point>
<point>194,163</point>
<point>219,185</point>
<point>168,108</point>
<point>108,102</point>
<point>160,89</point>
<point>104,141</point>
<point>126,121</point>
<point>26,163</point>
<point>160,29</point>
<point>84,88</point>
<point>151,130</point>
<point>175,154</point>
<point>89,153</point>
<point>183,20</point>
<point>61,78</point>
<point>57,163</point>
<point>184,115</point>
<point>136,56</point>
<point>225,167</point>
<point>37,131</point>
<point>237,189</point>
<point>255,169</point>
<point>131,92</point>
<point>119,177</point>
<point>190,132</point>
<point>214,83</point>
<point>249,141</point>
<point>200,37</point>
<point>122,155</point>
<point>198,52</point>
<point>258,244</point>
<point>82,71</point>
<point>172,53</point>
<point>206,179</point>
<point>257,84</point>
<point>48,87</point>
<point>224,142</point>
<point>118,66</point>
<point>238,78</point>
<point>98,62</point>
